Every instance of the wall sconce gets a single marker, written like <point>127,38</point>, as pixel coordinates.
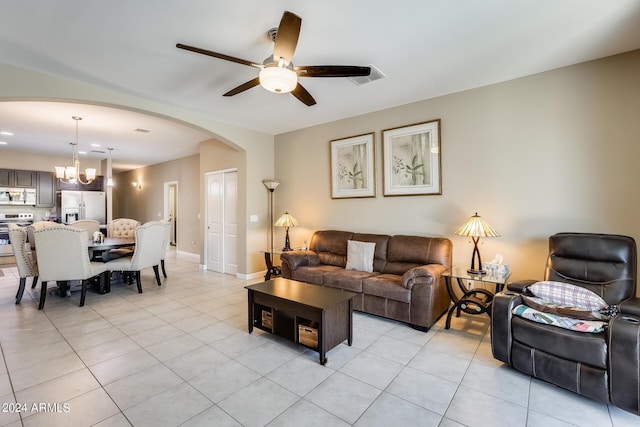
<point>138,185</point>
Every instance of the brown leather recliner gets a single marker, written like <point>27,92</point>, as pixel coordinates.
<point>603,366</point>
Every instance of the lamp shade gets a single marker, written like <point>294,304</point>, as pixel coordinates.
<point>286,220</point>
<point>271,184</point>
<point>476,227</point>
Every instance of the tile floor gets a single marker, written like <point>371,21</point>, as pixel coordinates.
<point>180,354</point>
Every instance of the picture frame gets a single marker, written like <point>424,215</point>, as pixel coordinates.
<point>412,160</point>
<point>352,167</point>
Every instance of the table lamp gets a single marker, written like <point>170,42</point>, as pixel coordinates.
<point>286,221</point>
<point>476,227</point>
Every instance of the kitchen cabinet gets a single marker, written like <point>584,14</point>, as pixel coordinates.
<point>45,195</point>
<point>17,178</point>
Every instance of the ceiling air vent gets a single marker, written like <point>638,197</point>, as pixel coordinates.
<point>142,130</point>
<point>98,151</point>
<point>375,75</point>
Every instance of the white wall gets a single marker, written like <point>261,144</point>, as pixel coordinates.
<point>556,151</point>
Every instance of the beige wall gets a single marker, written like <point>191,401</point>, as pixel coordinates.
<point>147,203</point>
<point>552,152</point>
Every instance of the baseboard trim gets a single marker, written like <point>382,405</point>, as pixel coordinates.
<point>251,276</point>
<point>189,254</point>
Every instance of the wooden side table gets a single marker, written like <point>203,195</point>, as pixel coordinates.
<point>474,300</point>
<point>272,271</point>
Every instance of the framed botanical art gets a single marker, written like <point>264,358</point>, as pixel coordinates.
<point>411,160</point>
<point>352,167</point>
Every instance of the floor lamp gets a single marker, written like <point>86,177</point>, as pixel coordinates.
<point>271,185</point>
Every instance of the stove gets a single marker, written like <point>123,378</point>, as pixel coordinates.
<point>21,219</point>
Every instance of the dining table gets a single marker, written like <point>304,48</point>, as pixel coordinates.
<point>96,249</point>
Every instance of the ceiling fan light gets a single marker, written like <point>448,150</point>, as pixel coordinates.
<point>278,79</point>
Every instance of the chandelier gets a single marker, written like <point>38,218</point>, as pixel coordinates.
<point>71,174</point>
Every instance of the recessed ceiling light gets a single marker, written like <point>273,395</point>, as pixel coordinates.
<point>7,133</point>
<point>3,142</point>
<point>95,145</point>
<point>82,152</point>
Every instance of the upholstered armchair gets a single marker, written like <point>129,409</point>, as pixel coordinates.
<point>167,234</point>
<point>149,251</point>
<point>120,227</point>
<point>26,266</point>
<point>32,229</point>
<point>63,256</point>
<point>91,225</point>
<point>602,365</point>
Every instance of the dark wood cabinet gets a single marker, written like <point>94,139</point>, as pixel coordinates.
<point>6,177</point>
<point>24,179</point>
<point>96,185</point>
<point>17,178</point>
<point>45,186</point>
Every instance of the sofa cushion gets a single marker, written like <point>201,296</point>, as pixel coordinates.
<point>331,246</point>
<point>386,286</point>
<point>349,280</point>
<point>313,274</point>
<point>406,252</point>
<point>360,256</point>
<point>577,346</point>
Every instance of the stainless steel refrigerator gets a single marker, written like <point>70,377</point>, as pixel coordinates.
<point>76,205</point>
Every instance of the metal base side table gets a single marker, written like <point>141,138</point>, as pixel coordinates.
<point>474,300</point>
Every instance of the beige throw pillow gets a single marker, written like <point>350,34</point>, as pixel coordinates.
<point>360,256</point>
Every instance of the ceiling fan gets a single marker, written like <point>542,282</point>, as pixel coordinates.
<point>277,72</point>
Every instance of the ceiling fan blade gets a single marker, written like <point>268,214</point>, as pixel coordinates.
<point>303,95</point>
<point>243,87</point>
<point>217,55</point>
<point>287,37</point>
<point>332,71</point>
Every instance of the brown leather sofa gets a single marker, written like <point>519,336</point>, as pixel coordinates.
<point>405,284</point>
<point>603,366</point>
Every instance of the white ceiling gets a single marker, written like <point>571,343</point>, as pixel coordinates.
<point>426,48</point>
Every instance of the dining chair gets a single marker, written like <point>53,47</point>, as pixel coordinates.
<point>32,228</point>
<point>91,225</point>
<point>120,227</point>
<point>26,266</point>
<point>167,226</point>
<point>149,250</point>
<point>63,256</point>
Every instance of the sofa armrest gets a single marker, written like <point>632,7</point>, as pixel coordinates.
<point>294,259</point>
<point>624,359</point>
<point>630,306</point>
<point>501,314</point>
<point>425,273</point>
<point>519,285</point>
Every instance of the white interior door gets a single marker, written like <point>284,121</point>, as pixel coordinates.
<point>173,212</point>
<point>215,218</point>
<point>230,242</point>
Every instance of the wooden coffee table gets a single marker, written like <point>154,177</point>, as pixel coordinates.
<point>317,317</point>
